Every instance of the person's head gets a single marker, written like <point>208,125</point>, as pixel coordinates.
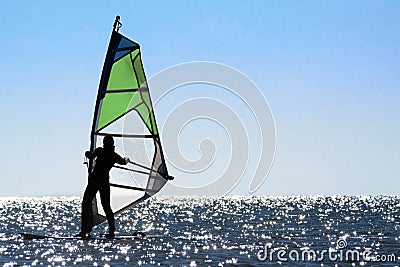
<point>108,142</point>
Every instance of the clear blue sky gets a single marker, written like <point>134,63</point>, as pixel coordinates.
<point>330,71</point>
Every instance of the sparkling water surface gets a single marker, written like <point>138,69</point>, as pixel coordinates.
<point>193,231</point>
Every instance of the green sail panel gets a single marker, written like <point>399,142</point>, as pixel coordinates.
<point>116,105</point>
<point>141,78</point>
<point>147,115</point>
<point>127,74</point>
<point>122,74</point>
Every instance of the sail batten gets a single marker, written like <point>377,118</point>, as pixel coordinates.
<point>123,89</point>
<point>128,187</point>
<point>126,90</point>
<point>129,135</point>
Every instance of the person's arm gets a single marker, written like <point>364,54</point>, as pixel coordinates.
<point>120,160</point>
<point>92,155</point>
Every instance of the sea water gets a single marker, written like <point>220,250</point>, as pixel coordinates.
<point>197,231</point>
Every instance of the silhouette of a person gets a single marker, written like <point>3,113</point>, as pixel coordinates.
<point>99,180</point>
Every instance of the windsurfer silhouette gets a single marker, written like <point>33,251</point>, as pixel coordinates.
<point>99,180</point>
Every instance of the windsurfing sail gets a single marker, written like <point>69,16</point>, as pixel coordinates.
<point>124,110</point>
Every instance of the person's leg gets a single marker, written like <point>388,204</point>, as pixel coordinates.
<point>105,202</point>
<point>90,193</point>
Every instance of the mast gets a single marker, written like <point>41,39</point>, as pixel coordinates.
<point>117,24</point>
<point>105,74</point>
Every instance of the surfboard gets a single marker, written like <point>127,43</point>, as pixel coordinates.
<point>134,236</point>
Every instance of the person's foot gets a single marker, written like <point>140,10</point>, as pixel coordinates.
<point>83,235</point>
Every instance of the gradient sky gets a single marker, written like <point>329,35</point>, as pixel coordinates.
<point>330,71</point>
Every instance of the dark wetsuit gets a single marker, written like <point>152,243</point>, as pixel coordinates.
<point>99,180</point>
